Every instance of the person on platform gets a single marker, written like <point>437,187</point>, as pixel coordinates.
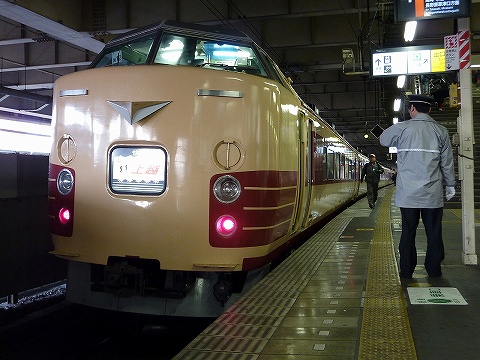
<point>424,167</point>
<point>371,172</point>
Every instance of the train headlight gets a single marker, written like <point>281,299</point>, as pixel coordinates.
<point>227,189</point>
<point>65,181</point>
<point>226,225</point>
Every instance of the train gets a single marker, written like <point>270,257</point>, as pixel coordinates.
<point>183,166</point>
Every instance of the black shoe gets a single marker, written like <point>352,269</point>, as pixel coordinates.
<point>435,275</point>
<point>405,276</point>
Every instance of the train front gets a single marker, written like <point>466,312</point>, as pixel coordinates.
<point>147,148</point>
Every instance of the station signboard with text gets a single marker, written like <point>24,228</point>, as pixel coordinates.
<point>409,10</point>
<point>410,60</point>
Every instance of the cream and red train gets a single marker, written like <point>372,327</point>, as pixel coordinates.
<point>183,164</point>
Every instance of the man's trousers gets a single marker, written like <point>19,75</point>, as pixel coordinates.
<point>432,220</point>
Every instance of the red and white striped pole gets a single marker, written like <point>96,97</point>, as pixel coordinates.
<point>464,48</point>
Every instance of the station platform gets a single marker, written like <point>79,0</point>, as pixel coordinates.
<point>339,296</point>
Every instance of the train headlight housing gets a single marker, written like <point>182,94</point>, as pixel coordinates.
<point>226,225</point>
<point>65,181</point>
<point>227,189</point>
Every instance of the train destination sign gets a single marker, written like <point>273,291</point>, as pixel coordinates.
<point>408,61</point>
<point>137,170</point>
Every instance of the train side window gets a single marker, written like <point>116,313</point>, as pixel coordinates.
<point>342,166</point>
<point>325,175</point>
<point>351,169</point>
<point>330,164</point>
<point>319,160</point>
<point>337,165</point>
<point>132,53</point>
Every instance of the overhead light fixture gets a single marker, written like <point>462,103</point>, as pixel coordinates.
<point>395,120</point>
<point>401,81</point>
<point>365,135</point>
<point>396,104</point>
<point>410,27</point>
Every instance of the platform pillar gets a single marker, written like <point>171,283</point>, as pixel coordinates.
<point>465,158</point>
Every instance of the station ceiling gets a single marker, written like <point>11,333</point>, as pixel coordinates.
<point>41,40</point>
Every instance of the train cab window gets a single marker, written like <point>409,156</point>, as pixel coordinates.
<point>213,54</point>
<point>132,53</point>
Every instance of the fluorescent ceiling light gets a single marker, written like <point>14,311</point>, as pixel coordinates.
<point>410,27</point>
<point>401,81</point>
<point>396,105</point>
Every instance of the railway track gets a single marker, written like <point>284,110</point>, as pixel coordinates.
<point>72,332</point>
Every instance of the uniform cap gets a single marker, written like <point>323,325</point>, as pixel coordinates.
<point>422,99</point>
<point>371,155</point>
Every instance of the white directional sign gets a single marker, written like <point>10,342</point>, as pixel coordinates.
<point>408,61</point>
<point>394,63</point>
<point>419,61</point>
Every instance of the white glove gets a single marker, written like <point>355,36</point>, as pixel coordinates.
<point>449,192</point>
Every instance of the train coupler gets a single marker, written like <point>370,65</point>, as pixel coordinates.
<point>223,288</point>
<point>124,280</point>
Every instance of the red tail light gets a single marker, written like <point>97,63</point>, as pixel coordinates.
<point>226,225</point>
<point>64,215</point>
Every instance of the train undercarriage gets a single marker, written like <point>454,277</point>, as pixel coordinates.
<point>140,286</point>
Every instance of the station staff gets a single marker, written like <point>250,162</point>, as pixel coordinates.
<point>371,172</point>
<point>425,165</point>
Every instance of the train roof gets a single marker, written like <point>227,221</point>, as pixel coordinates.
<point>210,31</point>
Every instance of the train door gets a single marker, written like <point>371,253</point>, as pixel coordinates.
<point>304,192</point>
<point>308,171</point>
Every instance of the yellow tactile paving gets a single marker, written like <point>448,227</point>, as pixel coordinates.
<point>385,332</point>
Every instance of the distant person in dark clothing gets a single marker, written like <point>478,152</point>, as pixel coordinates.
<point>371,172</point>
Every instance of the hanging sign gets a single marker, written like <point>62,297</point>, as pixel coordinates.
<point>450,44</point>
<point>409,60</point>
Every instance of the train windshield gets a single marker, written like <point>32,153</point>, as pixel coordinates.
<point>132,53</point>
<point>184,50</point>
<point>214,54</point>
